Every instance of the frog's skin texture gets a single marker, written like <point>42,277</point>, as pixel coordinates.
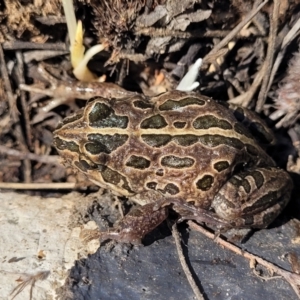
<point>179,149</point>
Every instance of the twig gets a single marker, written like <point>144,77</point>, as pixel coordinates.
<point>292,278</point>
<point>291,35</point>
<point>47,159</point>
<point>19,45</point>
<point>13,112</point>
<point>162,32</point>
<point>8,89</point>
<point>27,279</point>
<point>41,55</point>
<point>269,57</point>
<point>236,30</point>
<point>38,186</point>
<point>184,265</point>
<point>25,114</point>
<point>246,98</point>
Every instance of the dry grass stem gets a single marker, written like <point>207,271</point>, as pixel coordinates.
<point>236,30</point>
<point>184,265</point>
<point>292,278</point>
<point>269,57</point>
<point>26,280</point>
<point>46,159</point>
<point>291,35</point>
<point>38,186</point>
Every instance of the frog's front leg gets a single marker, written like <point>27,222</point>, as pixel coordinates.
<point>253,198</point>
<point>62,92</point>
<point>136,224</point>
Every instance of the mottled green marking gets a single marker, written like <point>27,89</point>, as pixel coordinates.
<point>138,162</point>
<point>103,116</point>
<point>206,122</point>
<point>174,105</point>
<point>185,140</point>
<point>113,177</point>
<point>179,124</point>
<point>151,185</point>
<point>221,165</point>
<point>246,185</point>
<point>258,178</point>
<point>171,189</point>
<point>101,143</point>
<point>216,140</point>
<point>156,122</point>
<point>156,140</point>
<point>160,172</point>
<point>65,145</point>
<point>176,162</point>
<point>205,183</point>
<point>83,165</point>
<point>142,104</point>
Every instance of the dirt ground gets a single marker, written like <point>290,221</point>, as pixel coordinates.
<point>250,58</point>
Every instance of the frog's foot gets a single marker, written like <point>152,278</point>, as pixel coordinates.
<point>136,224</point>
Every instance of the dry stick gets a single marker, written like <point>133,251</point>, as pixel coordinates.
<point>42,55</point>
<point>47,159</point>
<point>184,265</point>
<point>236,30</point>
<point>38,186</point>
<point>24,105</point>
<point>29,280</point>
<point>162,32</point>
<point>292,278</point>
<point>13,112</point>
<point>246,98</point>
<point>292,34</point>
<point>269,57</point>
<point>19,45</point>
<point>8,89</point>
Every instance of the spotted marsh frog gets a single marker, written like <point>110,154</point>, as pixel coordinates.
<point>180,150</point>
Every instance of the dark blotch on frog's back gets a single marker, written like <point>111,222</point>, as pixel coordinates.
<point>138,162</point>
<point>209,121</point>
<point>154,122</point>
<point>104,143</point>
<point>103,116</point>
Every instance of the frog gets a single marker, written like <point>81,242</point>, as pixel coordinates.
<point>180,150</point>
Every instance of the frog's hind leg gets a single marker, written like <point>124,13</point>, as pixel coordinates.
<point>253,198</point>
